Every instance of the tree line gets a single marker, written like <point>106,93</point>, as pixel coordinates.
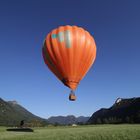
<point>115,120</point>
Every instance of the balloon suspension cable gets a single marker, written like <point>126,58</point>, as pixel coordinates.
<point>72,92</point>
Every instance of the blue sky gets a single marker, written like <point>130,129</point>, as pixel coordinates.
<point>24,77</point>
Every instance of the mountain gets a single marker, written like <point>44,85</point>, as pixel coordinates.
<point>11,113</point>
<point>67,120</point>
<point>122,111</point>
<point>82,119</point>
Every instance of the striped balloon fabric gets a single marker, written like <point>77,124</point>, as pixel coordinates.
<point>69,52</point>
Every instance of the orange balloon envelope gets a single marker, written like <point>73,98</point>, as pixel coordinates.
<point>69,52</point>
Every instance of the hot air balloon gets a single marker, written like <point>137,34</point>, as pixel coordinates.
<point>69,52</point>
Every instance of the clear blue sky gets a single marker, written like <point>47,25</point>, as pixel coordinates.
<point>24,77</point>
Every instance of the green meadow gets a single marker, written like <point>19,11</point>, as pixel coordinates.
<point>89,132</point>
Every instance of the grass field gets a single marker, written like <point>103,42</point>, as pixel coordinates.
<point>91,132</point>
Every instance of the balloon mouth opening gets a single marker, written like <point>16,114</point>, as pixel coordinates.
<point>71,84</point>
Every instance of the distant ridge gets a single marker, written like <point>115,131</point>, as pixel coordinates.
<point>67,120</point>
<point>11,113</point>
<point>122,111</point>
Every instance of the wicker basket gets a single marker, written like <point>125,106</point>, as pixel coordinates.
<point>72,97</point>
